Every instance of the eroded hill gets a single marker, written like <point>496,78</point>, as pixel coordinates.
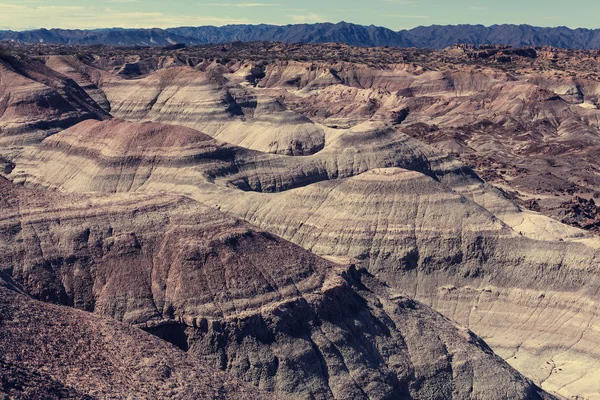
<point>388,168</point>
<point>233,297</point>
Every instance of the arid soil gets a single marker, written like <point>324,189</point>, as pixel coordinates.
<point>54,352</point>
<point>311,219</point>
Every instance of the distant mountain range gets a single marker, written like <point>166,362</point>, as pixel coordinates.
<point>435,36</point>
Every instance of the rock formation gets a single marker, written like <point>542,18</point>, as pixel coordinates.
<point>55,352</point>
<point>233,297</point>
<point>408,178</point>
<point>204,101</point>
<point>36,101</point>
<point>401,229</point>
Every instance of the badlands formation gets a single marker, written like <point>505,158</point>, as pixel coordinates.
<point>232,296</point>
<point>315,221</point>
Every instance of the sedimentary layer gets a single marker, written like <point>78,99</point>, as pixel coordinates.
<point>56,352</point>
<point>235,298</point>
<point>36,102</point>
<point>423,228</point>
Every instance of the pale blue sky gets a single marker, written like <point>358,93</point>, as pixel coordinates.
<point>394,14</point>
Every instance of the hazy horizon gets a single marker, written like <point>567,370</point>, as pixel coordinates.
<point>393,14</point>
<point>297,23</point>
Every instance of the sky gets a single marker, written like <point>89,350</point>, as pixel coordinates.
<point>393,14</point>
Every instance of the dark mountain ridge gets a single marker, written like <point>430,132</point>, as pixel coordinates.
<point>435,36</point>
<point>115,37</point>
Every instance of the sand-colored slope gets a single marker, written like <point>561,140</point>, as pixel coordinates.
<point>413,216</point>
<point>36,102</point>
<point>88,78</point>
<point>236,298</point>
<point>447,252</point>
<point>116,156</point>
<point>532,131</point>
<point>416,228</point>
<point>206,101</point>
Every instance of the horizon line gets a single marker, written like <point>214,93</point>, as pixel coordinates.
<point>300,24</point>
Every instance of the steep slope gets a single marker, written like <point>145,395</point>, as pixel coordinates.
<point>237,298</point>
<point>36,102</point>
<point>533,134</point>
<point>85,76</point>
<point>55,352</point>
<point>207,102</point>
<point>386,201</point>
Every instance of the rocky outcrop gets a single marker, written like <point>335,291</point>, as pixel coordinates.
<point>85,76</point>
<point>583,213</point>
